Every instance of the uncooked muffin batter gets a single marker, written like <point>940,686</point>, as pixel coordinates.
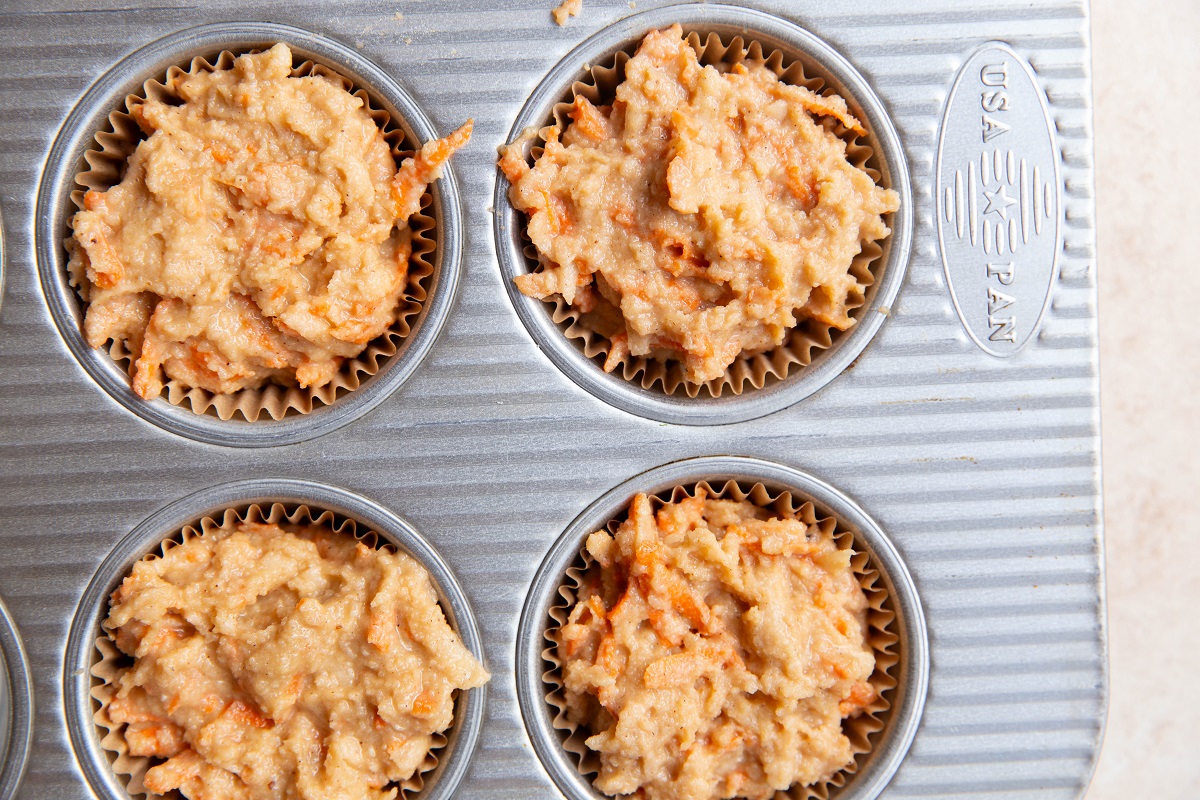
<point>708,209</point>
<point>259,232</point>
<point>293,664</point>
<point>713,652</point>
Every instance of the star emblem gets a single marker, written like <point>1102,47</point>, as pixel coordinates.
<point>998,202</point>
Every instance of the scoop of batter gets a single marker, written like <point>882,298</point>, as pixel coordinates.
<point>713,652</point>
<point>291,663</point>
<point>259,232</point>
<point>710,208</point>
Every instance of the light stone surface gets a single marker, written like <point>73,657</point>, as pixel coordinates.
<point>1145,63</point>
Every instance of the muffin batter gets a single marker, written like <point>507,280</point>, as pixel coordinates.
<point>713,652</point>
<point>707,212</point>
<point>259,232</point>
<point>283,662</point>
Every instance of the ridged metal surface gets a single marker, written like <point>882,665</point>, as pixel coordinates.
<point>984,472</point>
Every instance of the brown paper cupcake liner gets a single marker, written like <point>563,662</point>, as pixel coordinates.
<point>591,331</point>
<point>108,660</point>
<point>881,634</point>
<point>105,168</point>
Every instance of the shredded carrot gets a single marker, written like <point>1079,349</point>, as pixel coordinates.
<point>588,119</point>
<point>424,704</point>
<point>416,173</point>
<point>512,163</point>
<point>609,657</point>
<point>861,695</point>
<point>248,715</point>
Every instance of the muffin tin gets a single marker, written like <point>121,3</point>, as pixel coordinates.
<point>974,480</point>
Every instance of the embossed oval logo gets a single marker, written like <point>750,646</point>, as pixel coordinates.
<point>999,199</point>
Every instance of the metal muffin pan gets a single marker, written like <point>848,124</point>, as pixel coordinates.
<point>912,672</point>
<point>984,472</point>
<point>166,523</point>
<point>819,60</point>
<point>90,115</point>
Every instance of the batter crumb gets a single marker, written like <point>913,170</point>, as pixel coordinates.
<point>567,9</point>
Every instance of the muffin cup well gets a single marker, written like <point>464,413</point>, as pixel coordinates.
<point>91,152</point>
<point>750,370</point>
<point>105,169</point>
<point>896,630</point>
<point>812,354</point>
<point>880,633</point>
<point>16,706</point>
<point>93,660</point>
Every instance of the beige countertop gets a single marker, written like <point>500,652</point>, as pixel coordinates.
<point>1145,64</point>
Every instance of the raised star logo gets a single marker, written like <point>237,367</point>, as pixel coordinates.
<point>998,202</point>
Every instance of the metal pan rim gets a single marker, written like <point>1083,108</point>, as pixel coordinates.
<point>14,671</point>
<point>3,259</point>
